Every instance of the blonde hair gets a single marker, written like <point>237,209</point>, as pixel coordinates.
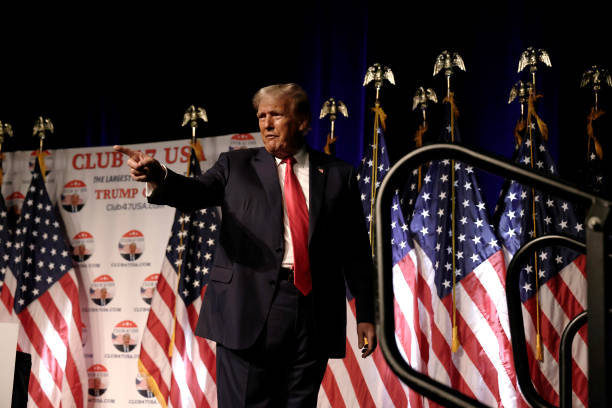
<point>300,105</point>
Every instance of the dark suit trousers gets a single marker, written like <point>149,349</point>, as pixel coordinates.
<point>282,368</point>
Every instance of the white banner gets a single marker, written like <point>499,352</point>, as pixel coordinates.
<point>118,242</point>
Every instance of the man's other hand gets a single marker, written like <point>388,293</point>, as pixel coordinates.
<point>366,335</point>
<point>142,166</point>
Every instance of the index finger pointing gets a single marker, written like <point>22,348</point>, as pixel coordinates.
<point>125,150</point>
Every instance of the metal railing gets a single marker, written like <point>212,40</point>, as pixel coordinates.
<point>599,292</point>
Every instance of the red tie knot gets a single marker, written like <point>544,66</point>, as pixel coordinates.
<point>289,160</point>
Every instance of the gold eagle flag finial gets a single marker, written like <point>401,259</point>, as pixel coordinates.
<point>331,108</point>
<point>448,61</point>
<point>422,98</point>
<point>42,127</point>
<point>597,77</point>
<point>191,117</point>
<point>531,57</point>
<point>378,74</point>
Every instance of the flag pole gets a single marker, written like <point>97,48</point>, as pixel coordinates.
<point>597,77</point>
<point>191,117</point>
<point>331,107</point>
<point>378,74</point>
<point>447,61</point>
<point>530,58</point>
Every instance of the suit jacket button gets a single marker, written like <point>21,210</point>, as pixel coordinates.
<point>279,250</point>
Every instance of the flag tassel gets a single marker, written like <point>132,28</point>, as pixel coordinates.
<point>539,355</point>
<point>455,343</point>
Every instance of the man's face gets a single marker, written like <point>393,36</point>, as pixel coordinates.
<point>281,131</point>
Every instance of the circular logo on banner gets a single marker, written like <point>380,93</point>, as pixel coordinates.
<point>125,336</point>
<point>14,203</point>
<point>148,287</point>
<point>102,290</point>
<point>131,245</point>
<point>82,246</point>
<point>143,388</point>
<point>97,380</point>
<point>242,141</point>
<point>74,196</point>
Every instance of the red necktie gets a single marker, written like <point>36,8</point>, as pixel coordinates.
<point>298,224</point>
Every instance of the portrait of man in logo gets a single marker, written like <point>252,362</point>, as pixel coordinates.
<point>148,288</point>
<point>72,203</point>
<point>100,297</point>
<point>80,253</point>
<point>96,386</point>
<point>126,344</point>
<point>82,246</point>
<point>131,245</point>
<point>143,388</point>
<point>73,196</point>
<point>125,336</point>
<point>102,290</point>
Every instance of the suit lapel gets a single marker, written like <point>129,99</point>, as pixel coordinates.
<point>265,167</point>
<point>318,176</point>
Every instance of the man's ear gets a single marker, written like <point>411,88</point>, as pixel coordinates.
<point>304,126</point>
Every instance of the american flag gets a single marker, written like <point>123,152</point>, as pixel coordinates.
<point>561,276</point>
<point>43,288</point>
<point>178,365</point>
<point>5,255</point>
<point>354,381</point>
<point>454,277</point>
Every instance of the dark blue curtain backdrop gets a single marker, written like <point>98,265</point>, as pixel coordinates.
<point>126,76</point>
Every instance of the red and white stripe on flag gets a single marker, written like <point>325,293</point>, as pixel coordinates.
<point>358,382</point>
<point>561,298</point>
<point>179,371</point>
<point>483,366</point>
<point>50,332</point>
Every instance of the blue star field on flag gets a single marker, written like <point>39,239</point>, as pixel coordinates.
<point>409,192</point>
<point>401,243</point>
<point>595,172</point>
<point>5,241</point>
<point>365,172</point>
<point>552,216</point>
<point>191,246</point>
<point>41,253</point>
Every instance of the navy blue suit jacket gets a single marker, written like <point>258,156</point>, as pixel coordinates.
<point>245,184</point>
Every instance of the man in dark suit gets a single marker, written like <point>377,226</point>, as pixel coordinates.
<point>292,232</point>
